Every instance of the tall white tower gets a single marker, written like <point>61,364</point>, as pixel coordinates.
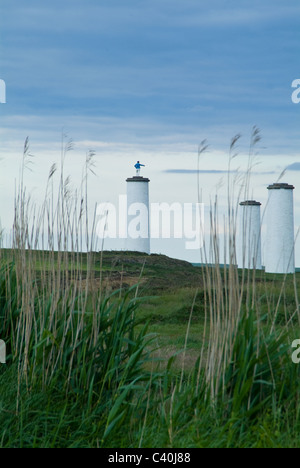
<point>250,235</point>
<point>138,225</point>
<point>280,252</point>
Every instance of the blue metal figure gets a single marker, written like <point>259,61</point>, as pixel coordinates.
<point>138,168</point>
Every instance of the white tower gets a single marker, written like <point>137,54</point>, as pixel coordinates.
<point>138,230</point>
<point>280,252</point>
<point>250,235</point>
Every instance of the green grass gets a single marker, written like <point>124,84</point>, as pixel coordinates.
<point>143,372</point>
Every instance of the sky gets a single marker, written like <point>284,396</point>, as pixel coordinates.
<point>150,80</point>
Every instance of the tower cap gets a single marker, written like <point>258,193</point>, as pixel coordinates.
<point>250,203</point>
<point>137,179</point>
<point>278,186</point>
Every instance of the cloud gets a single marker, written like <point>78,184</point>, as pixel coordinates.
<point>91,15</point>
<point>150,64</point>
<point>194,171</point>
<point>244,16</point>
<point>294,167</point>
<point>212,171</point>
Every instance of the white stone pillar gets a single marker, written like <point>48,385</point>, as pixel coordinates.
<point>280,251</point>
<point>138,220</point>
<point>250,235</point>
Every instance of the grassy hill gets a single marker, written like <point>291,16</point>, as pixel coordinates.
<point>191,357</point>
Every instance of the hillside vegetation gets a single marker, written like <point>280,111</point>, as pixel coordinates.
<point>180,356</point>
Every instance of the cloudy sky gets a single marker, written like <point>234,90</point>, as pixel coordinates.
<point>150,80</point>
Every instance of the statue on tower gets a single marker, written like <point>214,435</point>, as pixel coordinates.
<point>138,168</point>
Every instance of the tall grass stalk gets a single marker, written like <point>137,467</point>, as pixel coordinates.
<point>232,301</point>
